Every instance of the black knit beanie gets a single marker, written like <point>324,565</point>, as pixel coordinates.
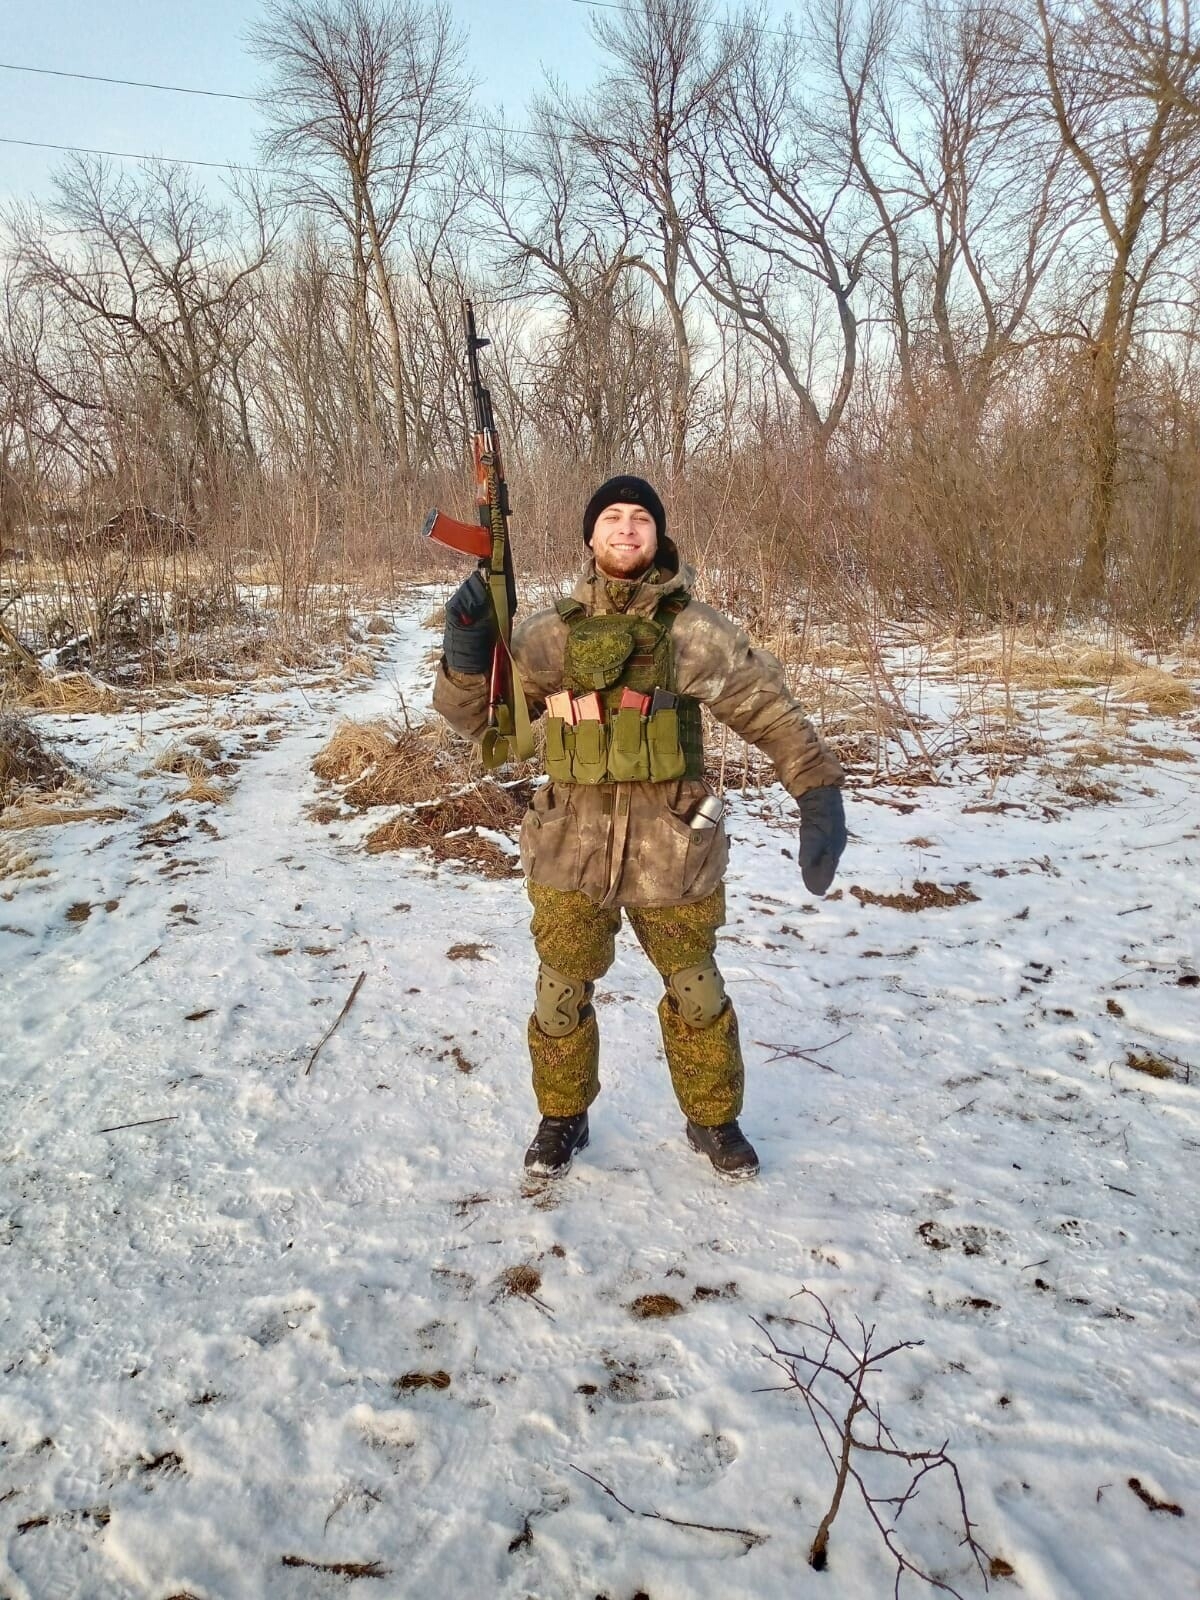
<point>625,490</point>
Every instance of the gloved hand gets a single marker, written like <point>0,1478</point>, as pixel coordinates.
<point>822,836</point>
<point>470,635</point>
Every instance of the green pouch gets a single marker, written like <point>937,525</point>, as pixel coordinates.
<point>597,650</point>
<point>560,742</point>
<point>667,760</point>
<point>628,753</point>
<point>590,761</point>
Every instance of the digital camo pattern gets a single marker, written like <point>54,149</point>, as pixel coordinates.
<point>577,938</point>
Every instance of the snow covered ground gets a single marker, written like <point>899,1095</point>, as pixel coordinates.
<point>271,1336</point>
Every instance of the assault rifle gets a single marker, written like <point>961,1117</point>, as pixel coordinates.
<point>508,717</point>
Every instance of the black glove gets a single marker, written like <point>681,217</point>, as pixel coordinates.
<point>470,635</point>
<point>822,836</point>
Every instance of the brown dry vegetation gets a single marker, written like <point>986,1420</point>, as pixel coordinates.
<point>428,771</point>
<point>222,433</point>
<point>41,816</point>
<point>648,1306</point>
<point>27,764</point>
<point>382,763</point>
<point>925,897</point>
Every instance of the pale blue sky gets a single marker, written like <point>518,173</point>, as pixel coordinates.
<point>201,44</point>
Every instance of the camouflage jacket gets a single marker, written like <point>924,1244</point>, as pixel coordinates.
<point>631,843</point>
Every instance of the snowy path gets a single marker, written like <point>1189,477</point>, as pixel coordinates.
<point>275,1335</point>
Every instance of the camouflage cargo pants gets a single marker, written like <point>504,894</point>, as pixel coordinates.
<point>577,937</point>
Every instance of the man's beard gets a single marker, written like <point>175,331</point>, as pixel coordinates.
<point>636,566</point>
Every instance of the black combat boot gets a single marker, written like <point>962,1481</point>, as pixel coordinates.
<point>726,1146</point>
<point>555,1142</point>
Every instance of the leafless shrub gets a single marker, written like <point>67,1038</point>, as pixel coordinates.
<point>833,1384</point>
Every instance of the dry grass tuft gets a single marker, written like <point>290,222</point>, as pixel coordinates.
<point>171,760</point>
<point>354,749</point>
<point>185,764</point>
<point>655,1305</point>
<point>27,763</point>
<point>201,787</point>
<point>469,848</point>
<point>1155,752</point>
<point>16,863</point>
<point>39,816</point>
<point>76,692</point>
<point>358,666</point>
<point>831,653</point>
<point>421,1380</point>
<point>384,764</point>
<point>1159,691</point>
<point>1087,789</point>
<point>205,745</point>
<point>1027,665</point>
<point>1149,1065</point>
<point>925,897</point>
<point>522,1280</point>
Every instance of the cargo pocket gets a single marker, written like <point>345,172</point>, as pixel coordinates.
<point>550,843</point>
<point>667,760</point>
<point>628,753</point>
<point>589,764</point>
<point>560,743</point>
<point>700,855</point>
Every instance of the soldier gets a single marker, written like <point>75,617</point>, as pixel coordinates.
<point>627,823</point>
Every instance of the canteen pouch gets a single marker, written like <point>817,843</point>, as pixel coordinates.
<point>628,751</point>
<point>667,760</point>
<point>590,761</point>
<point>560,744</point>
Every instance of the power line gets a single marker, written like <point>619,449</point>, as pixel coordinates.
<point>130,83</point>
<point>250,99</point>
<point>240,166</point>
<point>133,155</point>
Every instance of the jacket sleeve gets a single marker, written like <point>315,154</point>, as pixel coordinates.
<point>462,698</point>
<point>746,689</point>
<point>537,646</point>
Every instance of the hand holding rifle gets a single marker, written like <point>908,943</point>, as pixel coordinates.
<point>479,613</point>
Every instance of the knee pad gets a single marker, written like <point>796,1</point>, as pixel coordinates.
<point>560,1002</point>
<point>699,993</point>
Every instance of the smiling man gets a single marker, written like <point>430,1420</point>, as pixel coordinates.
<point>627,823</point>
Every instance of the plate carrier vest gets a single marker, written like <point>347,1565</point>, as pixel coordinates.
<point>606,654</point>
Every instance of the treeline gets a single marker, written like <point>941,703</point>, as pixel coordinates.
<point>897,296</point>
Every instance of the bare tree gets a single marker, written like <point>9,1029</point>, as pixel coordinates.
<point>777,238</point>
<point>555,245</point>
<point>154,300</point>
<point>1122,86</point>
<point>936,112</point>
<point>365,98</point>
<point>661,74</point>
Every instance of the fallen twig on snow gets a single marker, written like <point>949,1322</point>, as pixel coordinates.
<point>795,1052</point>
<point>144,1123</point>
<point>358,983</point>
<point>852,1367</point>
<point>340,1569</point>
<point>747,1535</point>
